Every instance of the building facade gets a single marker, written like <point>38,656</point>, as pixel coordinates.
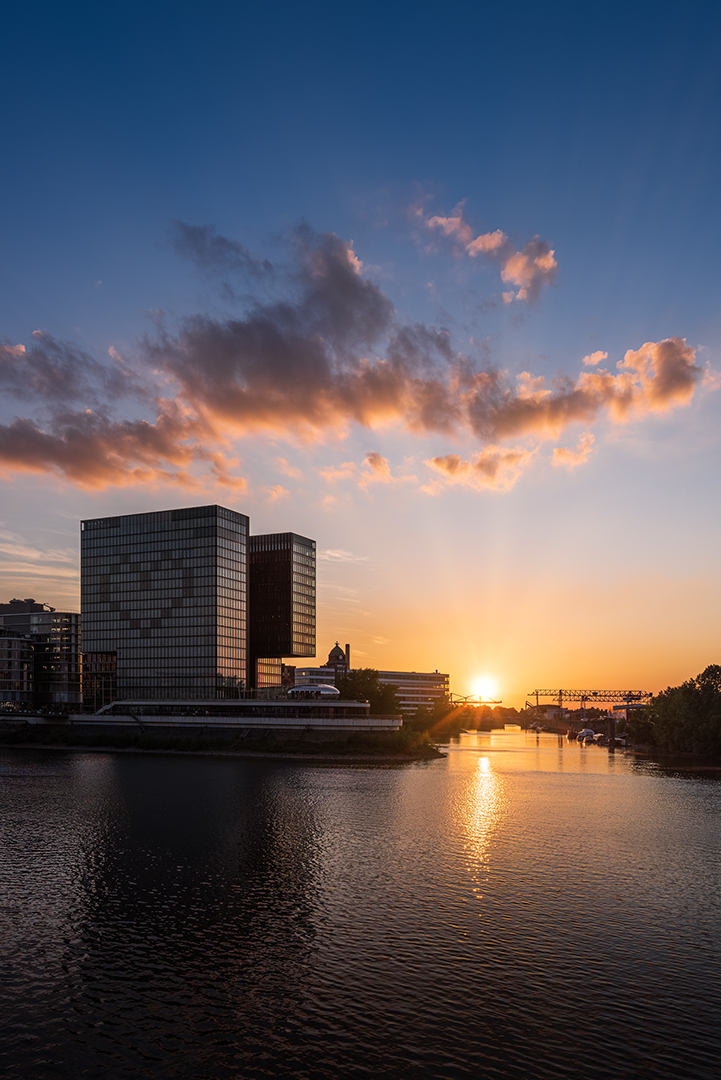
<point>281,601</point>
<point>55,636</point>
<point>314,676</point>
<point>166,593</point>
<point>416,688</point>
<point>16,668</point>
<point>413,688</point>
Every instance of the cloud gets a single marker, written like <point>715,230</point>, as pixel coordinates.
<point>287,469</point>
<point>330,354</point>
<point>300,362</point>
<point>653,379</point>
<point>340,555</point>
<point>331,473</point>
<point>57,373</point>
<point>528,269</point>
<point>711,378</point>
<point>493,468</point>
<point>212,253</point>
<point>277,492</point>
<point>15,546</point>
<point>455,227</point>
<point>570,459</point>
<point>94,451</point>
<point>594,358</point>
<point>378,466</point>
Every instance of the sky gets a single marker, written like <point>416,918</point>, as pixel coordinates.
<point>438,288</point>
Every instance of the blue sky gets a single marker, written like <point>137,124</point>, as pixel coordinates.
<point>593,128</point>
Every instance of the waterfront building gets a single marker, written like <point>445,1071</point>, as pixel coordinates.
<point>413,688</point>
<point>166,593</point>
<point>339,660</point>
<point>314,676</point>
<point>100,679</point>
<point>416,688</point>
<point>281,601</point>
<point>184,604</point>
<point>56,660</point>
<point>266,711</point>
<point>16,667</point>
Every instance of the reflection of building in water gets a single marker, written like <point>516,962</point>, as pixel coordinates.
<point>55,636</point>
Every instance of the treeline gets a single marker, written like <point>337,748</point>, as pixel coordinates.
<point>682,719</point>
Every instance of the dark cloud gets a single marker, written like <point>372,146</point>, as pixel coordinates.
<point>215,254</point>
<point>330,353</point>
<point>301,361</point>
<point>94,451</point>
<point>56,373</point>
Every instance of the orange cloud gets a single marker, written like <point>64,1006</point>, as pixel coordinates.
<point>332,473</point>
<point>95,452</point>
<point>331,353</point>
<point>528,269</point>
<point>379,467</point>
<point>711,379</point>
<point>494,468</point>
<point>594,358</point>
<point>570,459</point>
<point>287,469</point>
<point>653,379</point>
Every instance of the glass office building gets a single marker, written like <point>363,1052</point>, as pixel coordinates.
<point>166,592</point>
<point>56,650</point>
<point>281,599</point>
<point>16,668</point>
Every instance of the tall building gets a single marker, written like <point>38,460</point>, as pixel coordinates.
<point>281,601</point>
<point>184,604</point>
<point>16,667</point>
<point>166,593</point>
<point>55,637</point>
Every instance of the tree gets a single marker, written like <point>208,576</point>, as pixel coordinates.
<point>363,684</point>
<point>687,718</point>
<point>429,717</point>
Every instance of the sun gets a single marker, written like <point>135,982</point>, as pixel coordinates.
<point>486,687</point>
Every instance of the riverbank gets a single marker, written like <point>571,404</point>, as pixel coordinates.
<point>383,748</point>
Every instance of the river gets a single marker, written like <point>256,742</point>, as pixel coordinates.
<point>524,907</point>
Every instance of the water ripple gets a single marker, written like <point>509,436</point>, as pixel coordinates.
<point>521,909</point>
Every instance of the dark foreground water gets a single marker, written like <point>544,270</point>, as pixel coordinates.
<point>524,908</point>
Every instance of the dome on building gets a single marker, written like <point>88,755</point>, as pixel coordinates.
<point>336,655</point>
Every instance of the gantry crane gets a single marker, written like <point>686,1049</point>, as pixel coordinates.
<point>630,697</point>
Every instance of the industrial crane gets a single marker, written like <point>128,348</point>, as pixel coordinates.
<point>629,697</point>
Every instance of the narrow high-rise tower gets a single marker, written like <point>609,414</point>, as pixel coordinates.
<point>281,600</point>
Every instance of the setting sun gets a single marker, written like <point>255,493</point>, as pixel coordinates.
<point>485,687</point>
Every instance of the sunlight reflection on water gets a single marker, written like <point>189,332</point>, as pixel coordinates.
<point>175,917</point>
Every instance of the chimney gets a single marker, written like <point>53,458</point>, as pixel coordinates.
<point>347,656</point>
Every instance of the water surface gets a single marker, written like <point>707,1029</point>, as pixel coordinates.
<point>523,908</point>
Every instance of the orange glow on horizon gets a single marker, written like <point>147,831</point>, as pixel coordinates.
<point>485,687</point>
